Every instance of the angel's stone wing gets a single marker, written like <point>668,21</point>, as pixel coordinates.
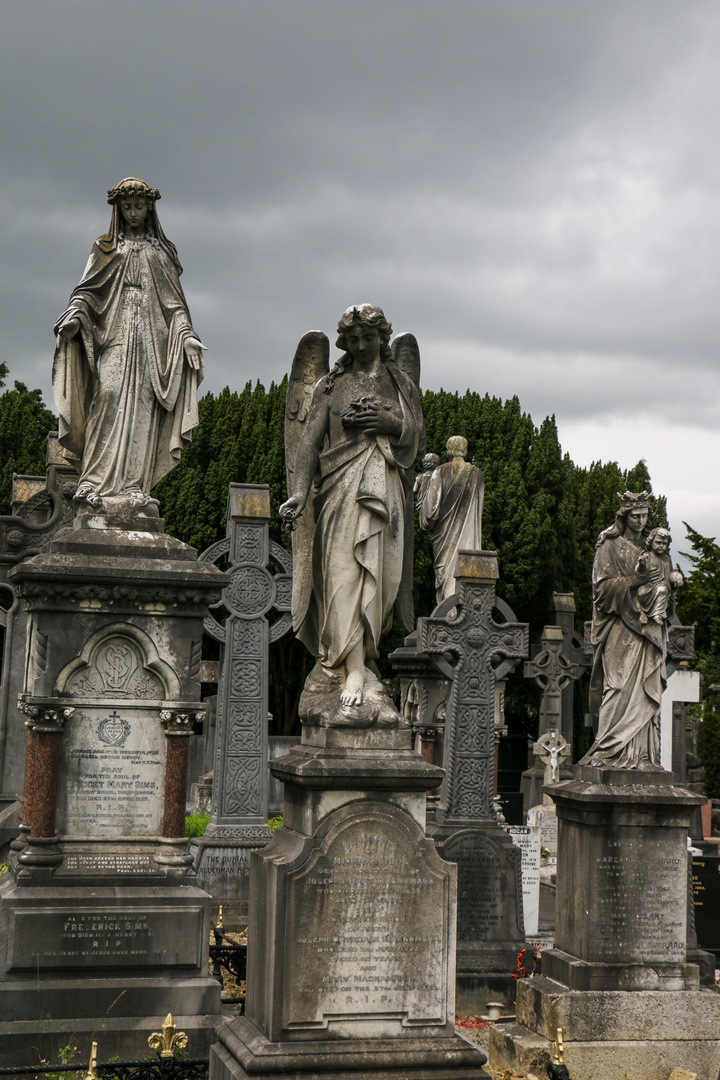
<point>310,363</point>
<point>406,355</point>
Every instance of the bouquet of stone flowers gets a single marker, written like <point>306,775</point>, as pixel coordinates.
<point>357,406</point>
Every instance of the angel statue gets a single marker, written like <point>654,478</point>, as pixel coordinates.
<point>128,362</point>
<point>352,437</point>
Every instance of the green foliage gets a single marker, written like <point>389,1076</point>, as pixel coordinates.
<point>24,427</point>
<point>276,822</point>
<point>196,824</point>
<point>4,868</point>
<point>699,604</point>
<point>708,746</point>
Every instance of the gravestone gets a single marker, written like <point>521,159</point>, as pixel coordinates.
<point>463,641</point>
<point>527,838</point>
<point>706,895</point>
<point>101,905</point>
<point>551,750</point>
<point>239,815</point>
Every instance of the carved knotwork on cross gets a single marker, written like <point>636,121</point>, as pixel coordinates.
<point>240,788</point>
<point>553,670</point>
<point>551,749</point>
<point>471,649</point>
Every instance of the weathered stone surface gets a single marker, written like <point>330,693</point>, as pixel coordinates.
<point>513,1047</point>
<point>543,1006</point>
<point>359,429</point>
<point>111,777</point>
<point>621,907</point>
<point>450,506</point>
<point>633,600</point>
<point>106,930</point>
<point>490,911</point>
<point>128,362</point>
<point>242,1052</point>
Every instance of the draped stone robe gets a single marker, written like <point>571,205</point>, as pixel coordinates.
<point>126,396</point>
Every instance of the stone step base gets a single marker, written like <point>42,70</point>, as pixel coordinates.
<point>516,1048</point>
<point>242,1052</point>
<point>26,1042</point>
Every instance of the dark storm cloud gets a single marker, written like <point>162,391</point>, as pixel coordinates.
<point>531,188</point>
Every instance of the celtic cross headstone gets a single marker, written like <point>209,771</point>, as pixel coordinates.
<point>471,649</point>
<point>240,623</point>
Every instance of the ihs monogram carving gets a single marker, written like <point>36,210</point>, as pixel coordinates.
<point>117,671</point>
<point>116,664</point>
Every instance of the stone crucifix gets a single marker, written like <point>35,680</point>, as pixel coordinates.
<point>551,749</point>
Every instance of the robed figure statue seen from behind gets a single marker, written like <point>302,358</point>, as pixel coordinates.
<point>128,362</point>
<point>450,506</point>
<point>352,438</point>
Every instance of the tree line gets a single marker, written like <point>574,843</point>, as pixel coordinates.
<point>542,514</point>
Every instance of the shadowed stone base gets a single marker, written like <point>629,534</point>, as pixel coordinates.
<point>351,946</point>
<point>611,1034</point>
<point>109,961</point>
<point>242,1051</point>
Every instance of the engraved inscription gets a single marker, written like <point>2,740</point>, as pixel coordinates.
<point>79,936</point>
<point>640,895</point>
<point>107,790</point>
<point>368,912</point>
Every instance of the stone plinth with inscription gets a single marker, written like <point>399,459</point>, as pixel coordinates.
<point>351,953</point>
<point>102,899</point>
<point>253,612</point>
<point>617,980</point>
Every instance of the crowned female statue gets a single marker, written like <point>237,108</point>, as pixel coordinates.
<point>128,363</point>
<point>629,650</point>
<point>352,438</point>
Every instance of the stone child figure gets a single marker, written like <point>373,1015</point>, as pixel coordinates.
<point>429,463</point>
<point>450,507</point>
<point>128,362</point>
<point>629,647</point>
<point>656,598</point>
<point>352,438</point>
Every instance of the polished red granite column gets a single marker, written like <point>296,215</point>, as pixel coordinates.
<point>178,728</point>
<point>29,776</point>
<point>46,747</point>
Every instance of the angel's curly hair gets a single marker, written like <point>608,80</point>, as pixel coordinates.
<point>370,316</point>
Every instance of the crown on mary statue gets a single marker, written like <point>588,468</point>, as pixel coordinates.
<point>634,500</point>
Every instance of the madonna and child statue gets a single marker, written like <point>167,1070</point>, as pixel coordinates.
<point>352,437</point>
<point>127,363</point>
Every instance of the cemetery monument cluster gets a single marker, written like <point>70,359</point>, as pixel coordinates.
<point>393,870</point>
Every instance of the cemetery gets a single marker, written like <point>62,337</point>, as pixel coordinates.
<point>365,896</point>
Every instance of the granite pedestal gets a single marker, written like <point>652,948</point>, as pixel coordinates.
<point>618,981</point>
<point>103,928</point>
<point>351,951</point>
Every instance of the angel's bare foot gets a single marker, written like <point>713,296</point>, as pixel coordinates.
<point>352,693</point>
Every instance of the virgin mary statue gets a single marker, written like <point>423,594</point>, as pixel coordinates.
<point>128,362</point>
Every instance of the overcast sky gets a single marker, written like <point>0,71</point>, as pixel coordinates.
<point>531,186</point>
